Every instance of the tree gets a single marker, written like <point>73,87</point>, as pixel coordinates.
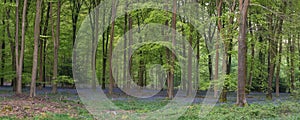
<point>19,60</point>
<point>271,60</point>
<point>279,37</point>
<point>56,47</point>
<point>43,49</point>
<point>242,53</point>
<point>125,83</point>
<point>219,4</point>
<point>36,42</point>
<point>111,79</point>
<point>171,83</point>
<point>2,50</point>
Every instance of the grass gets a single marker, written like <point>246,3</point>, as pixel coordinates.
<point>287,110</point>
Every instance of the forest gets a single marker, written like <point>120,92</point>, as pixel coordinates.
<point>150,59</point>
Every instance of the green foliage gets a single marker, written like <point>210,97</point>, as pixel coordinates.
<point>64,79</point>
<point>140,106</point>
<point>296,91</point>
<point>282,110</point>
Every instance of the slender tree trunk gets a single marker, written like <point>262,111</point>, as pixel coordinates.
<point>272,60</point>
<point>104,51</point>
<point>166,32</point>
<point>249,82</point>
<point>20,62</point>
<point>288,60</point>
<point>174,21</point>
<point>278,67</point>
<point>75,7</point>
<point>279,37</point>
<point>104,60</point>
<point>125,83</point>
<point>227,55</point>
<point>95,29</point>
<point>299,55</point>
<point>42,50</point>
<point>36,42</point>
<point>190,61</point>
<point>292,57</point>
<point>141,61</point>
<point>198,59</point>
<point>251,66</point>
<point>111,79</point>
<point>18,81</point>
<point>242,53</point>
<point>184,55</point>
<point>219,4</point>
<point>2,51</point>
<point>56,47</point>
<point>12,47</point>
<point>130,38</point>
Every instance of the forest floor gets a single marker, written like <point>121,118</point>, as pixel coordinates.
<point>67,105</point>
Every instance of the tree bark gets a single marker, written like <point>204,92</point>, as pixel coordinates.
<point>42,50</point>
<point>12,47</point>
<point>292,57</point>
<point>279,37</point>
<point>36,42</point>
<point>125,83</point>
<point>242,53</point>
<point>279,62</point>
<point>56,47</point>
<point>249,83</point>
<point>104,51</point>
<point>130,38</point>
<point>2,51</point>
<point>227,47</point>
<point>272,60</point>
<point>111,79</point>
<point>20,62</point>
<point>190,61</point>
<point>18,81</point>
<point>219,4</point>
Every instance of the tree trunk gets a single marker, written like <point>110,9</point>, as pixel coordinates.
<point>56,47</point>
<point>42,50</point>
<point>141,61</point>
<point>18,81</point>
<point>184,55</point>
<point>190,61</point>
<point>2,51</point>
<point>130,38</point>
<point>219,4</point>
<point>272,60</point>
<point>279,37</point>
<point>94,21</point>
<point>111,79</point>
<point>242,53</point>
<point>104,51</point>
<point>125,84</point>
<point>3,61</point>
<point>12,47</point>
<point>278,67</point>
<point>227,55</point>
<point>171,77</point>
<point>299,54</point>
<point>292,57</point>
<point>36,42</point>
<point>249,83</point>
<point>20,62</point>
